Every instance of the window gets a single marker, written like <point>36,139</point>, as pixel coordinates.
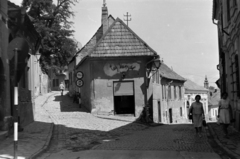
<point>163,89</point>
<point>175,92</point>
<point>169,92</point>
<point>180,92</point>
<point>181,111</point>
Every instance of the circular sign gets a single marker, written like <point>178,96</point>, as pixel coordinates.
<point>79,83</point>
<point>79,75</point>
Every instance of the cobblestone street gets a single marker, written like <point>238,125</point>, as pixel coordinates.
<point>76,130</point>
<point>167,137</point>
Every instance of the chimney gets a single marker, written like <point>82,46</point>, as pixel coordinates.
<point>104,17</point>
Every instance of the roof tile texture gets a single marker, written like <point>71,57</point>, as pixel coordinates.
<point>120,41</point>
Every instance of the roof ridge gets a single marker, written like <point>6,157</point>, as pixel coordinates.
<point>108,30</point>
<point>177,76</point>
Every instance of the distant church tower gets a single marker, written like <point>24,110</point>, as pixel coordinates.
<point>206,83</point>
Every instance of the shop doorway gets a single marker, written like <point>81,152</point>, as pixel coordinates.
<point>170,115</point>
<point>124,100</point>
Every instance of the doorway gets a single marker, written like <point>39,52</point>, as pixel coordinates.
<point>170,115</point>
<point>124,100</point>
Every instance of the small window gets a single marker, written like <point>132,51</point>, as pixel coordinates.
<point>181,113</point>
<point>163,91</point>
<point>169,92</point>
<point>175,92</point>
<point>180,92</point>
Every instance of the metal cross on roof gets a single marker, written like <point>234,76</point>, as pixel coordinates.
<point>128,15</point>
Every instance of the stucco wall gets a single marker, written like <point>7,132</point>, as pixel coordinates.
<point>162,104</point>
<point>85,90</point>
<point>97,92</point>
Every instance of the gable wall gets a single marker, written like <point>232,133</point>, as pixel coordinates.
<point>101,75</point>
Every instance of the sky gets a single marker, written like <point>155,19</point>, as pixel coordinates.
<point>180,31</point>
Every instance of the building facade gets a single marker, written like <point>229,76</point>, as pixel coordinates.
<point>113,67</point>
<point>226,16</point>
<point>166,96</point>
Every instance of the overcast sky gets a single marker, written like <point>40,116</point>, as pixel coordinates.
<point>180,31</point>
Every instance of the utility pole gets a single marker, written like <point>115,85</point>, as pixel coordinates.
<point>128,18</point>
<point>15,109</point>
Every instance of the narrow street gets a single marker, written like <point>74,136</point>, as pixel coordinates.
<point>76,130</point>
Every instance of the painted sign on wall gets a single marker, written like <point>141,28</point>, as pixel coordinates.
<point>111,69</point>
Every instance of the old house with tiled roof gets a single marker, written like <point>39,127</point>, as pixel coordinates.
<point>167,96</point>
<point>112,69</point>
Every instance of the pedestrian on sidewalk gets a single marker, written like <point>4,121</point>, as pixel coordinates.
<point>197,112</point>
<point>225,113</point>
<point>61,86</point>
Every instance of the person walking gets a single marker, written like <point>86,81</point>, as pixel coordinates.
<point>225,113</point>
<point>61,86</point>
<point>197,112</point>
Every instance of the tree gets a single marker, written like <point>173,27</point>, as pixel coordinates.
<point>54,27</point>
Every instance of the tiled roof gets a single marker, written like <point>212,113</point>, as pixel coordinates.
<point>166,72</point>
<point>190,85</point>
<point>87,48</point>
<point>120,40</point>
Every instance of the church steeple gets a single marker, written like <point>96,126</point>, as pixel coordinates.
<point>206,84</point>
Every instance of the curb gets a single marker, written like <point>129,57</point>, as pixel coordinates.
<point>214,135</point>
<point>45,146</point>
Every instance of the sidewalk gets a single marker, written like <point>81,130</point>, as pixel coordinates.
<point>35,137</point>
<point>230,145</point>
